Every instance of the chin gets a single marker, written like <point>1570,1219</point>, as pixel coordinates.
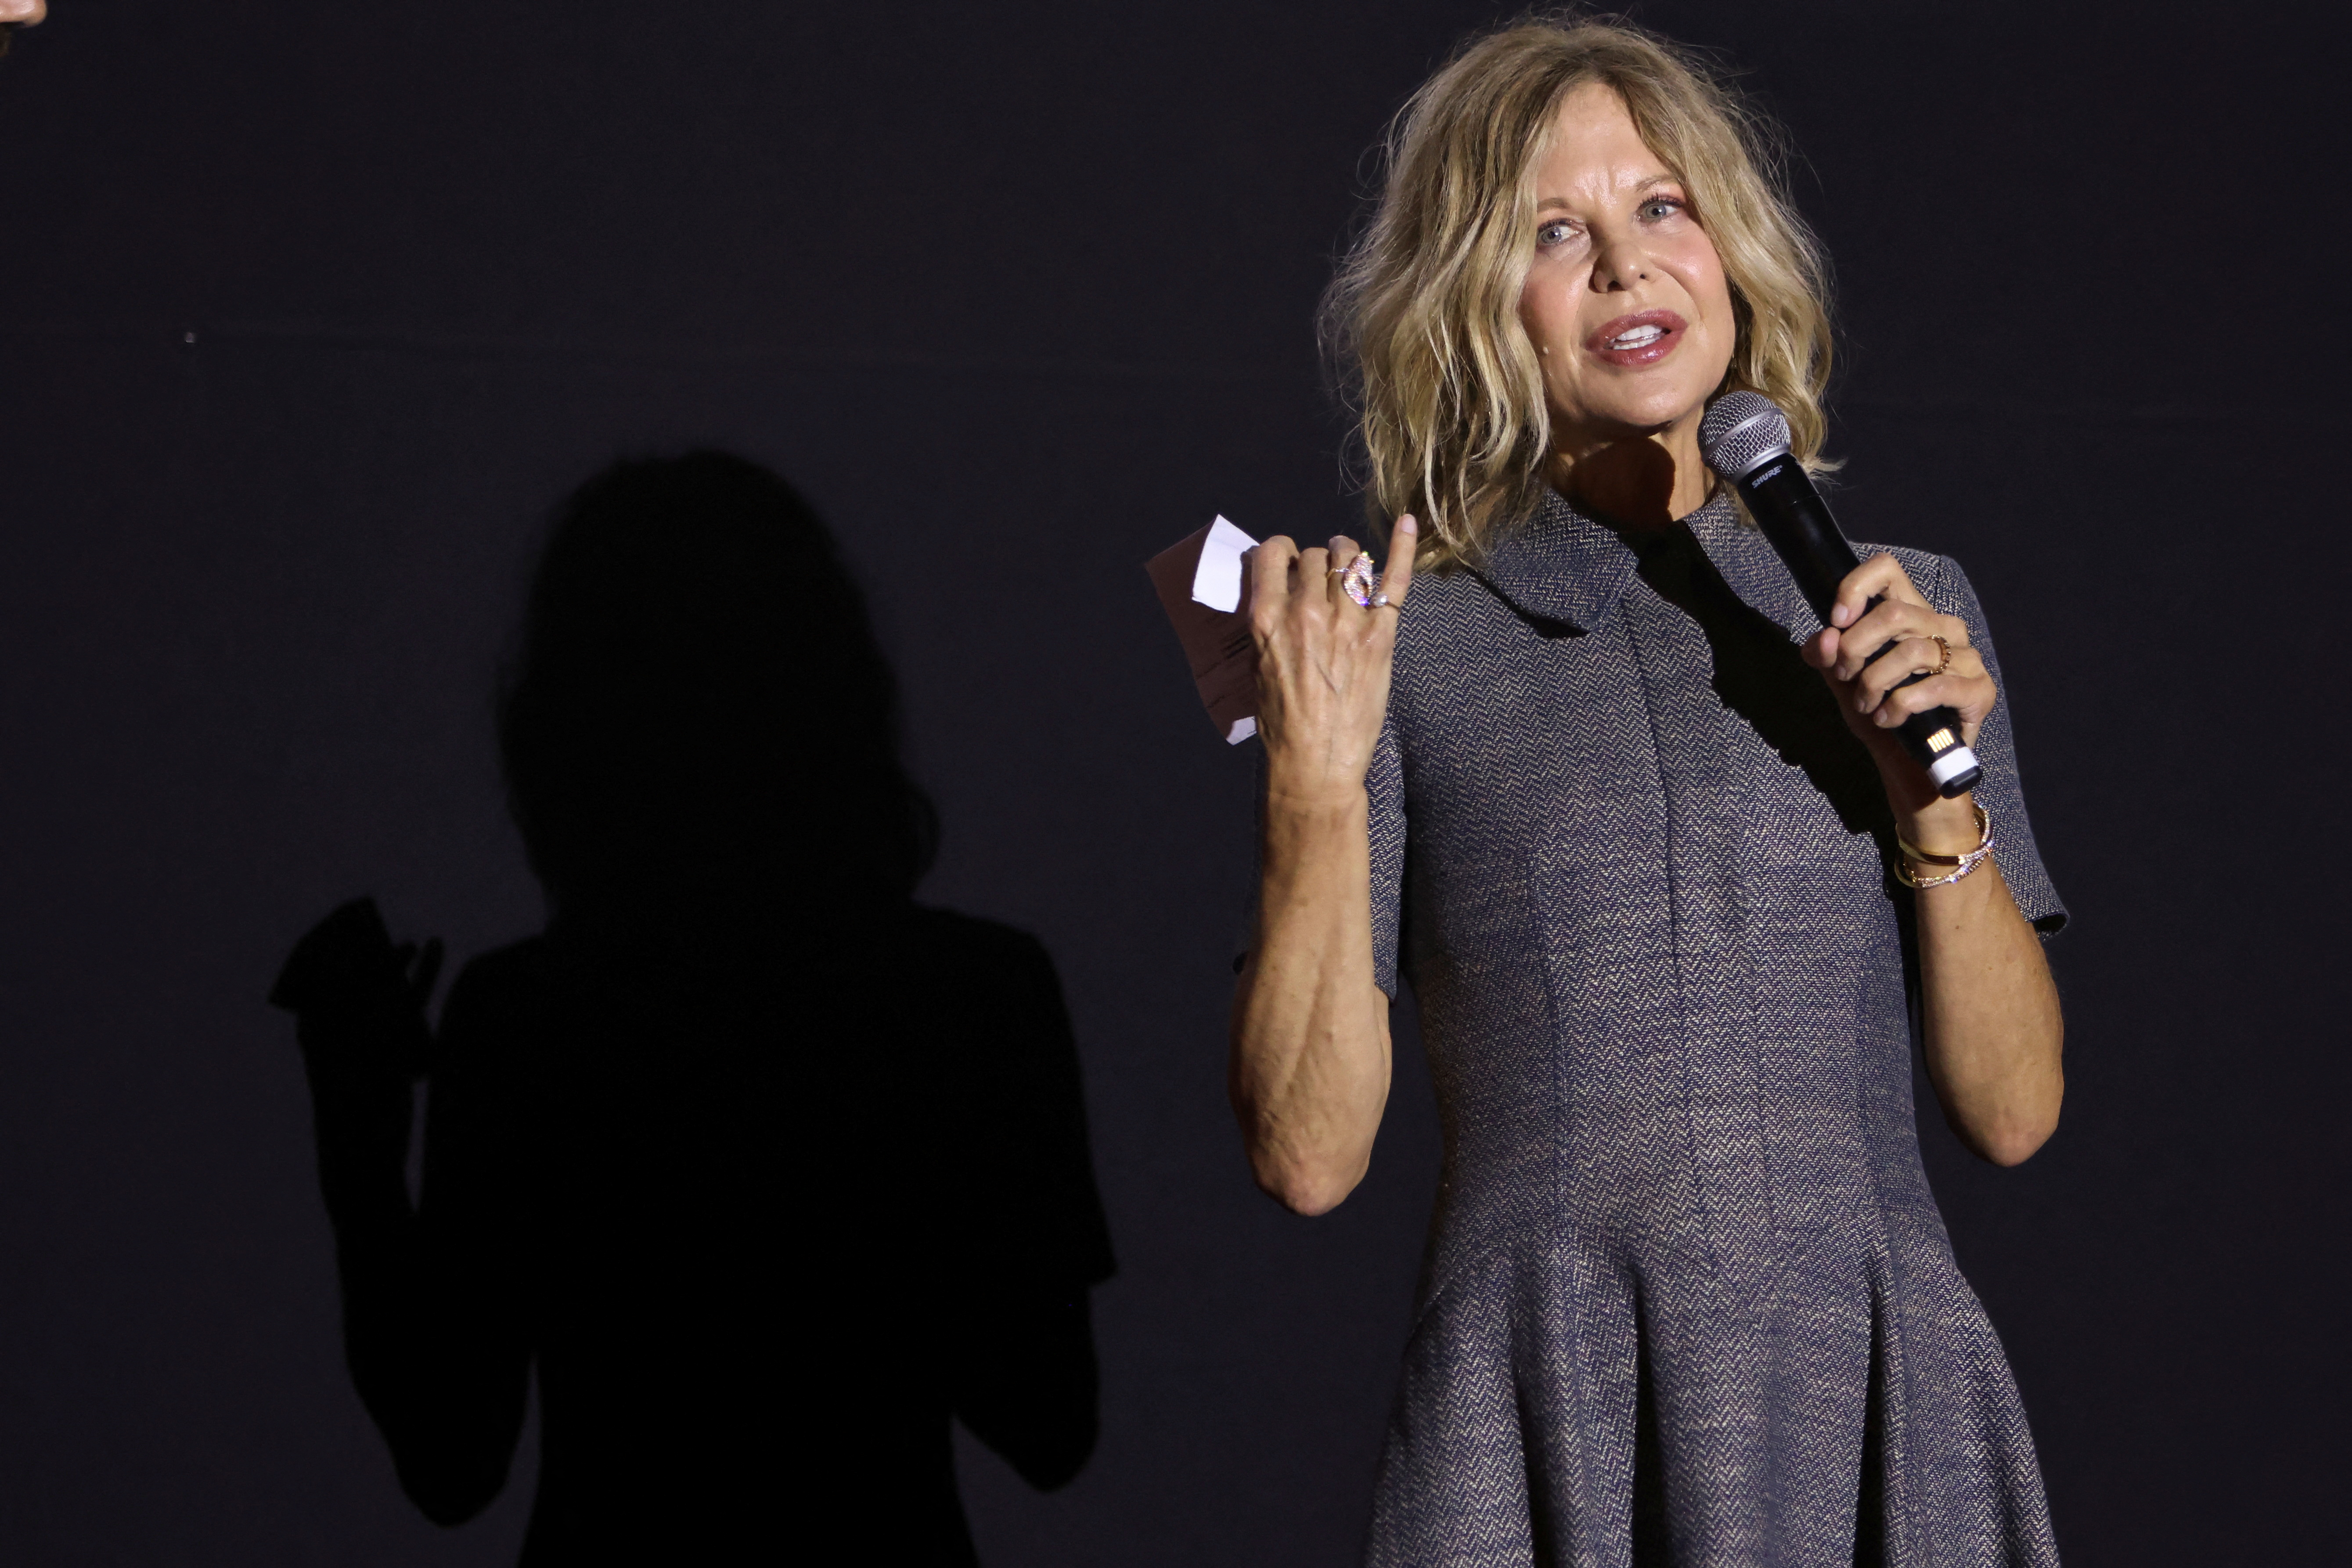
<point>1657,410</point>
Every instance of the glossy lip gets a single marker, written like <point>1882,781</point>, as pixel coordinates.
<point>1649,353</point>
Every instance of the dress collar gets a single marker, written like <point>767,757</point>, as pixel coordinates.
<point>1560,566</point>
<point>1565,567</point>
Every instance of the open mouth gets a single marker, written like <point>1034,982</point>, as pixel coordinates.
<point>1638,339</point>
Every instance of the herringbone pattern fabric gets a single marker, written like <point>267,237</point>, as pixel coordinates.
<point>1687,1299</point>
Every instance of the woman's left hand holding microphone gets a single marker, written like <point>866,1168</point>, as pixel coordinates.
<point>1917,640</point>
<point>1993,1030</point>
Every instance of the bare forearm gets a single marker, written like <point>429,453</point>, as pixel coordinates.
<point>1309,1069</point>
<point>1993,1032</point>
<point>1311,1044</point>
<point>1993,1028</point>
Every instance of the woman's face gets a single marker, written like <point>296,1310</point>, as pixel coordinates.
<point>1625,300</point>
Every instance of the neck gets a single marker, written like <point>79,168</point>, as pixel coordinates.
<point>1645,478</point>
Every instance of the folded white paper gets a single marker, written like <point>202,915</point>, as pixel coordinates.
<point>1200,583</point>
<point>1217,581</point>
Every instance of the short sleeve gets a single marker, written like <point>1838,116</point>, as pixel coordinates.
<point>2001,793</point>
<point>1384,783</point>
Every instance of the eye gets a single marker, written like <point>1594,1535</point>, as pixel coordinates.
<point>1559,231</point>
<point>1660,207</point>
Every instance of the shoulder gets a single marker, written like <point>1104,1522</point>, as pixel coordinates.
<point>1447,594</point>
<point>503,971</point>
<point>952,933</point>
<point>1925,568</point>
<point>992,1001</point>
<point>1938,578</point>
<point>976,956</point>
<point>1450,621</point>
<point>498,989</point>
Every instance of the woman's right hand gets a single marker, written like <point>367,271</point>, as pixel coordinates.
<point>1323,662</point>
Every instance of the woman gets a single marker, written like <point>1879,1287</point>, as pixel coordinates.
<point>1663,893</point>
<point>761,1171</point>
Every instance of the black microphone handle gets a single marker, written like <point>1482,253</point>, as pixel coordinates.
<point>1780,497</point>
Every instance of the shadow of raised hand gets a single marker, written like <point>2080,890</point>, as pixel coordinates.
<point>359,1003</point>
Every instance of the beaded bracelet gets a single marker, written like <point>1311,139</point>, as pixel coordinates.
<point>1961,864</point>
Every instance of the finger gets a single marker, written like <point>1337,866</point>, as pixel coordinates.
<point>1312,577</point>
<point>1270,565</point>
<point>1882,576</point>
<point>1961,682</point>
<point>1404,542</point>
<point>1343,551</point>
<point>1821,649</point>
<point>1888,623</point>
<point>1909,657</point>
<point>1966,669</point>
<point>1970,697</point>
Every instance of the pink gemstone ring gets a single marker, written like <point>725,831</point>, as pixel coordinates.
<point>1360,581</point>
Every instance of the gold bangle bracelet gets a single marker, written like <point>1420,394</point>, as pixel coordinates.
<point>1957,866</point>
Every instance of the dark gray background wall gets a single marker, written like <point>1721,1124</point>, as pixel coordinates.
<point>310,311</point>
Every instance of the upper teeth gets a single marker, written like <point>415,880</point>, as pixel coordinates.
<point>1638,337</point>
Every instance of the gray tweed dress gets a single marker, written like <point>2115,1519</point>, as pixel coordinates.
<point>1687,1298</point>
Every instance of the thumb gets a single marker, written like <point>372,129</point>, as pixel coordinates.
<point>1404,543</point>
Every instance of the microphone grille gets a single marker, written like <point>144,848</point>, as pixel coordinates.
<point>1741,430</point>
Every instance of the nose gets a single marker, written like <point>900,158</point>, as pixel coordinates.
<point>1621,265</point>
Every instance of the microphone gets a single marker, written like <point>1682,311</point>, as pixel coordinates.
<point>1745,439</point>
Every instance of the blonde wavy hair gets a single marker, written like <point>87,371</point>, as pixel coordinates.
<point>1422,318</point>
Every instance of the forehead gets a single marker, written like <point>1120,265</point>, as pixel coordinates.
<point>1593,148</point>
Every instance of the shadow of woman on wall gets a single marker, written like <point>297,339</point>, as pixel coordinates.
<point>763,1170</point>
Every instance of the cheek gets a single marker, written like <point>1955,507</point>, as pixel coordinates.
<point>1550,317</point>
<point>1551,310</point>
<point>1539,312</point>
<point>1702,277</point>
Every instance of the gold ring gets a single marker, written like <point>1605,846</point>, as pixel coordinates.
<point>1946,647</point>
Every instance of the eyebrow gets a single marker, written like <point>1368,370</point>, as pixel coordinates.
<point>1652,183</point>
